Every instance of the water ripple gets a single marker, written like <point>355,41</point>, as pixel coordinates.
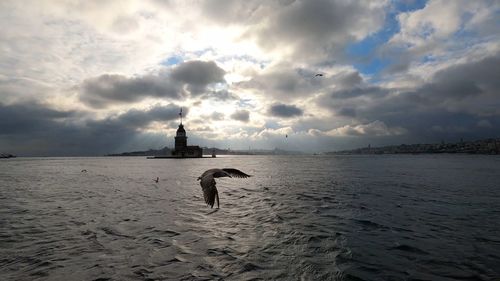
<point>298,218</point>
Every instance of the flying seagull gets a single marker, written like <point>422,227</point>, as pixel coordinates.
<point>157,179</point>
<point>318,74</point>
<point>207,182</point>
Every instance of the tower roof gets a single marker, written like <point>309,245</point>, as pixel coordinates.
<point>181,129</point>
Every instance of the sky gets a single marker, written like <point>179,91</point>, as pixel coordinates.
<point>83,78</point>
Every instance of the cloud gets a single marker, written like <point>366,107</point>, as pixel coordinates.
<point>285,111</point>
<point>347,111</point>
<point>440,31</point>
<point>29,117</point>
<point>206,118</point>
<point>430,67</point>
<point>439,19</point>
<point>375,128</point>
<point>222,95</point>
<point>109,89</point>
<point>459,96</point>
<point>268,133</point>
<point>467,79</point>
<point>241,115</point>
<point>198,74</point>
<point>234,12</point>
<point>32,129</point>
<point>217,116</point>
<point>138,119</point>
<point>124,24</point>
<point>303,30</point>
<point>287,82</point>
<point>314,29</point>
<point>372,91</point>
<point>283,82</point>
<point>484,123</point>
<point>348,79</point>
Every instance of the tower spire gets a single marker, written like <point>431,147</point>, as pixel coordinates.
<point>180,114</point>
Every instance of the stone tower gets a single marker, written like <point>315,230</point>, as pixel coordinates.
<point>180,136</point>
<point>182,150</point>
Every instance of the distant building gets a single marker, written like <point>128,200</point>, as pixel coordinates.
<point>181,149</point>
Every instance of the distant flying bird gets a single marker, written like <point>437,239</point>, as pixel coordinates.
<point>286,136</point>
<point>207,182</point>
<point>84,171</point>
<point>157,179</point>
<point>318,75</point>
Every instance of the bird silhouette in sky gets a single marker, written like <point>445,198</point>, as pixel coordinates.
<point>207,182</point>
<point>318,75</point>
<point>157,179</point>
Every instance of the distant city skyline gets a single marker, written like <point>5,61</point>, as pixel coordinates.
<point>99,77</point>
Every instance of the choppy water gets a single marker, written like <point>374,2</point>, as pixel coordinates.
<point>433,217</point>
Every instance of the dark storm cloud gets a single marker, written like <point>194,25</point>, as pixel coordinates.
<point>320,26</point>
<point>463,80</point>
<point>455,103</point>
<point>33,129</point>
<point>348,79</point>
<point>400,63</point>
<point>198,74</point>
<point>347,111</point>
<point>284,82</point>
<point>358,92</point>
<point>310,29</point>
<point>109,89</point>
<point>29,117</point>
<point>286,111</point>
<point>241,115</point>
<point>138,118</point>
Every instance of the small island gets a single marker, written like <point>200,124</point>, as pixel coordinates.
<point>181,149</point>
<point>7,155</point>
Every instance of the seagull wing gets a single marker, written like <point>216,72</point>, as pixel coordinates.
<point>216,173</point>
<point>235,173</point>
<point>209,190</point>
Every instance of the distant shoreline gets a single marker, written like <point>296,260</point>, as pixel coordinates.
<point>217,151</point>
<point>482,147</point>
<point>485,147</point>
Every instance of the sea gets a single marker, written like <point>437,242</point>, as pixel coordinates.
<point>350,217</point>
